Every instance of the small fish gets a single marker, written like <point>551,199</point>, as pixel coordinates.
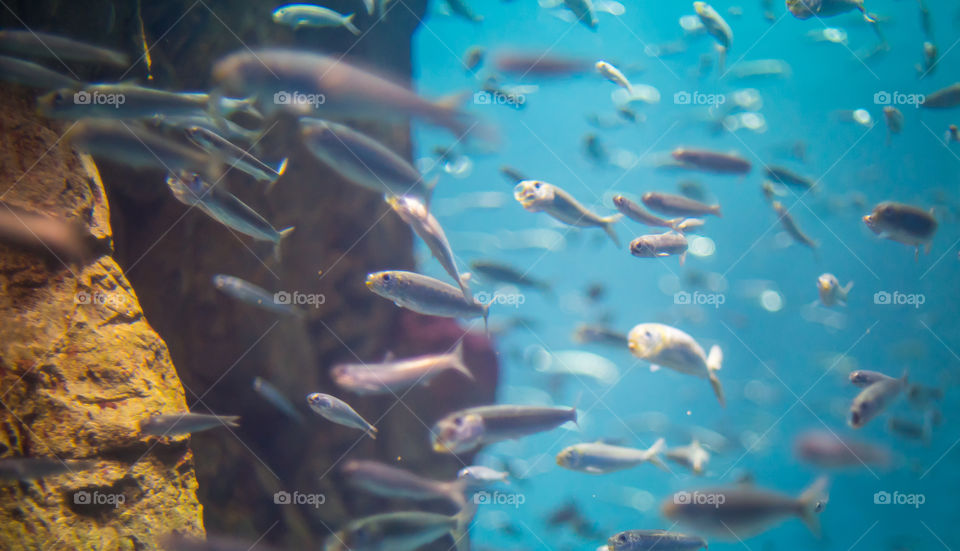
<point>465,430</point>
<point>654,540</point>
<point>309,15</point>
<point>690,225</point>
<point>741,512</point>
<point>584,12</point>
<point>32,468</point>
<point>586,333</point>
<point>788,177</point>
<point>426,295</point>
<point>805,9</point>
<point>221,205</point>
<point>415,214</point>
<point>678,205</point>
<point>235,156</point>
<point>35,44</point>
<point>184,423</point>
<point>594,148</point>
<point>460,7</point>
<point>362,160</point>
<point>894,119</point>
<point>944,98</point>
<point>791,227</point>
<point>247,292</point>
<point>494,271</point>
<point>541,64</point>
<point>637,213</point>
<point>903,223</point>
<point>614,75</point>
<point>273,395</point>
<point>389,481</point>
<point>930,60</point>
<point>823,448</point>
<point>393,376</point>
<point>43,234</point>
<point>873,399</point>
<point>831,293</point>
<point>537,196</point>
<point>669,347</point>
<point>864,378</point>
<point>906,428</point>
<point>659,245</point>
<point>715,25</point>
<point>336,410</point>
<point>473,58</point>
<point>478,476</point>
<point>601,458</point>
<point>119,101</point>
<point>402,531</point>
<point>712,161</point>
<point>923,396</point>
<point>691,456</point>
<point>30,74</point>
<point>953,133</point>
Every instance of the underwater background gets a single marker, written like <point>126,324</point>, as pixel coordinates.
<point>77,378</point>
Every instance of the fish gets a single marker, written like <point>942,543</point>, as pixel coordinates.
<point>805,9</point>
<point>666,346</point>
<point>823,448</point>
<point>537,196</point>
<point>393,376</point>
<point>944,98</point>
<point>336,410</point>
<point>637,213</point>
<point>831,293</point>
<point>541,64</point>
<point>467,429</point>
<point>906,428</point>
<point>678,205</point>
<point>247,292</point>
<point>903,223</point>
<point>864,378</point>
<point>473,58</point>
<point>139,147</point>
<point>276,398</point>
<point>692,456</point>
<point>391,482</point>
<point>45,235</point>
<point>894,120</point>
<point>34,44</point>
<point>363,161</point>
<point>347,91</point>
<point>584,12</point>
<point>594,148</point>
<point>601,334</point>
<point>414,212</point>
<point>601,458</point>
<point>923,396</point>
<point>32,468</point>
<point>221,205</point>
<point>495,271</point>
<point>478,476</point>
<point>309,15</point>
<point>791,227</point>
<point>512,175</point>
<point>224,127</point>
<point>953,134</point>
<point>660,245</point>
<point>654,540</point>
<point>714,24</point>
<point>402,531</point>
<point>788,177</point>
<point>690,225</point>
<point>184,423</point>
<point>930,59</point>
<point>426,295</point>
<point>460,7</point>
<point>19,71</point>
<point>738,513</point>
<point>235,156</point>
<point>712,161</point>
<point>873,399</point>
<point>614,75</point>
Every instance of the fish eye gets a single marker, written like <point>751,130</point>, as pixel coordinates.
<point>386,278</point>
<point>819,507</point>
<point>458,421</point>
<point>648,334</point>
<point>622,538</point>
<point>536,185</point>
<point>855,418</point>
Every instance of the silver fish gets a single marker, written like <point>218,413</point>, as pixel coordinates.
<point>666,346</point>
<point>830,290</point>
<point>336,410</point>
<point>654,540</point>
<point>308,15</point>
<point>585,333</point>
<point>601,458</point>
<point>129,101</point>
<point>32,468</point>
<point>537,196</point>
<point>234,155</point>
<point>478,476</point>
<point>425,295</point>
<point>790,226</point>
<point>388,481</point>
<point>495,271</point>
<point>660,245</point>
<point>678,205</point>
<point>944,98</point>
<point>903,223</point>
<point>460,7</point>
<point>584,12</point>
<point>864,377</point>
<point>35,44</point>
<point>873,399</point>
<point>692,456</point>
<point>401,531</point>
<point>249,293</point>
<point>30,74</point>
<point>273,395</point>
<point>184,423</point>
<point>637,213</point>
<point>393,376</point>
<point>715,25</point>
<point>464,430</point>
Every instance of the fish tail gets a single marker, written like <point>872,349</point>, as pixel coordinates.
<point>486,318</point>
<point>348,24</point>
<point>674,224</point>
<point>458,362</point>
<point>231,420</point>
<point>846,290</point>
<point>276,247</point>
<point>372,432</point>
<point>461,531</point>
<point>653,454</point>
<point>812,502</point>
<point>280,170</point>
<point>714,363</point>
<point>715,209</point>
<point>608,224</point>
<point>465,286</point>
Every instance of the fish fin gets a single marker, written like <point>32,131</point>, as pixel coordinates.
<point>283,234</point>
<point>653,454</point>
<point>683,258</point>
<point>926,248</point>
<point>348,24</point>
<point>465,286</point>
<point>846,290</point>
<point>715,358</point>
<point>458,362</point>
<point>431,186</point>
<point>608,223</point>
<point>486,318</point>
<point>654,368</point>
<point>231,420</point>
<point>372,432</point>
<point>593,470</point>
<point>280,170</point>
<point>675,223</point>
<point>714,361</point>
<point>461,532</point>
<point>916,254</point>
<point>812,501</point>
<point>389,356</point>
<point>716,210</point>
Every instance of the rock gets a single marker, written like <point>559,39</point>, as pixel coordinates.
<point>79,368</point>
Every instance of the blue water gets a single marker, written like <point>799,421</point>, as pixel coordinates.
<point>782,373</point>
